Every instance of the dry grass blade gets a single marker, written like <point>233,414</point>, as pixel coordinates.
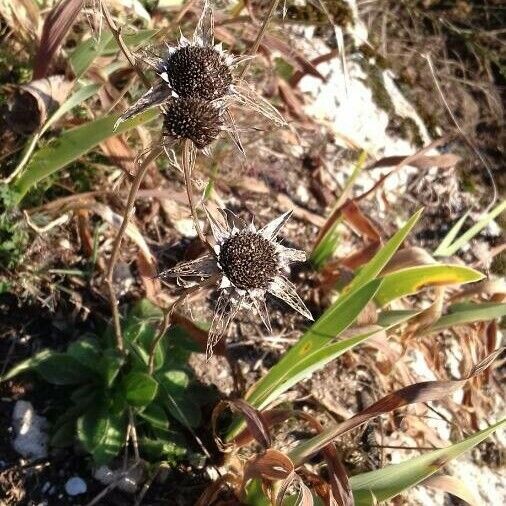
<point>426,391</point>
<point>452,486</point>
<point>56,26</point>
<point>408,257</point>
<point>257,425</point>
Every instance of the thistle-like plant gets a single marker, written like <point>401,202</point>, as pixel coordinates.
<point>198,76</point>
<point>249,263</point>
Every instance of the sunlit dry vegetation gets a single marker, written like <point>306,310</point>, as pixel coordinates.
<point>251,252</point>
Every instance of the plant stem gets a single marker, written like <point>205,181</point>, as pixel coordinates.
<point>188,162</point>
<point>124,49</point>
<point>256,44</point>
<point>117,243</point>
<point>167,314</point>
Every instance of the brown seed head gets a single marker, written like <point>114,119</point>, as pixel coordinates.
<point>198,72</point>
<point>192,118</point>
<point>249,260</point>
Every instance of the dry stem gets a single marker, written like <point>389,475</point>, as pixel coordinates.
<point>117,243</point>
<point>116,32</point>
<point>256,44</point>
<point>188,163</point>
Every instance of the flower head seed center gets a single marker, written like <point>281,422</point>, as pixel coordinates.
<point>199,72</point>
<point>249,260</point>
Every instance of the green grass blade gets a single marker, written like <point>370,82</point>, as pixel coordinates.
<point>460,314</point>
<point>74,100</point>
<point>386,483</point>
<point>475,229</point>
<point>376,264</point>
<point>72,144</point>
<point>451,235</point>
<point>413,279</point>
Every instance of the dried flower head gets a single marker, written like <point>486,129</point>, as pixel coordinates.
<point>250,263</point>
<point>192,118</point>
<point>201,69</point>
<point>196,71</point>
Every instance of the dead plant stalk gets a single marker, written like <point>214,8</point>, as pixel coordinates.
<point>117,243</point>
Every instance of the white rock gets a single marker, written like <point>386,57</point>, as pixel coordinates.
<point>31,439</point>
<point>75,486</point>
<point>186,227</point>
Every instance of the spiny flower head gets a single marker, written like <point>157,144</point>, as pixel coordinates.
<point>250,263</point>
<point>197,71</point>
<point>192,118</point>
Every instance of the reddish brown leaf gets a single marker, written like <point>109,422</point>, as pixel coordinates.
<point>57,24</point>
<point>256,423</point>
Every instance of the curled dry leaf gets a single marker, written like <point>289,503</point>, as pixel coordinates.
<point>57,24</point>
<point>256,423</point>
<point>271,417</point>
<point>32,104</point>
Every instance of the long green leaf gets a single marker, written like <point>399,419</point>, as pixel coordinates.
<point>413,279</point>
<point>384,484</point>
<point>312,351</point>
<point>460,314</point>
<point>448,250</point>
<point>451,235</point>
<point>376,264</point>
<point>71,145</point>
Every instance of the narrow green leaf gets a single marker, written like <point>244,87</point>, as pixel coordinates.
<point>460,314</point>
<point>444,250</point>
<point>376,264</point>
<point>74,100</point>
<point>314,349</point>
<point>386,483</point>
<point>140,388</point>
<point>84,54</point>
<point>26,365</point>
<point>71,145</point>
<point>413,279</point>
<point>451,235</point>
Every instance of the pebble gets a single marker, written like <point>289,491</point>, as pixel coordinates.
<point>75,486</point>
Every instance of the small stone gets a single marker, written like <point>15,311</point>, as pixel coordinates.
<point>31,439</point>
<point>75,486</point>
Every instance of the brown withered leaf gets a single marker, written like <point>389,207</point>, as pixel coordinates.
<point>453,486</point>
<point>271,417</point>
<point>292,102</point>
<point>299,74</point>
<point>339,490</point>
<point>56,25</point>
<point>256,424</point>
<point>407,257</point>
<point>295,57</point>
<point>426,391</point>
<point>32,104</point>
<point>359,222</point>
<point>444,161</point>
